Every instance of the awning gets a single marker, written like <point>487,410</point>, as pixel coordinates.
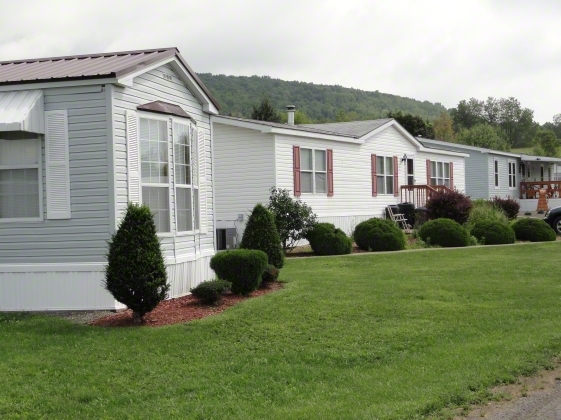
<point>539,159</point>
<point>22,110</point>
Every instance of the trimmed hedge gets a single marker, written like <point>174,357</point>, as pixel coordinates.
<point>241,267</point>
<point>491,232</point>
<point>379,235</point>
<point>326,239</point>
<point>211,291</point>
<point>533,230</point>
<point>261,233</point>
<point>445,233</point>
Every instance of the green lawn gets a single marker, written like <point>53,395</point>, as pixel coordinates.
<point>378,336</point>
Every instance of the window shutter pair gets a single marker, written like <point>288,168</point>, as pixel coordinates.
<point>296,171</point>
<point>133,162</point>
<point>57,165</point>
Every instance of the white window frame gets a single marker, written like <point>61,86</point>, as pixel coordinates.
<point>39,167</point>
<point>314,171</point>
<point>194,161</point>
<point>167,120</point>
<point>496,174</point>
<point>511,175</point>
<point>385,175</point>
<point>439,180</point>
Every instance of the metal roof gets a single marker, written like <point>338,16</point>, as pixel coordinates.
<point>450,146</point>
<point>90,66</point>
<point>162,107</point>
<point>354,129</point>
<point>22,111</point>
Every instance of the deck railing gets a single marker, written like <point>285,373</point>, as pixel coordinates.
<point>531,189</point>
<point>419,194</point>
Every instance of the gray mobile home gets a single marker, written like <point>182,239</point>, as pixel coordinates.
<point>81,136</point>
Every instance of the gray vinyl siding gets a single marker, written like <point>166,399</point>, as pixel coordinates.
<point>477,175</point>
<point>503,189</point>
<point>245,165</point>
<point>83,237</point>
<point>149,87</point>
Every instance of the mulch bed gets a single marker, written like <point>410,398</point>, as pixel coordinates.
<point>180,310</point>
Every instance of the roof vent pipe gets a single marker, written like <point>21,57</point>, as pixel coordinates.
<point>290,111</point>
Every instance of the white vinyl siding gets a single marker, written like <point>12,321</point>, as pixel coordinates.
<point>384,174</point>
<point>440,173</point>
<point>313,171</point>
<point>154,169</point>
<point>20,182</point>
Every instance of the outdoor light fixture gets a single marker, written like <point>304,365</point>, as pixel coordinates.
<point>404,158</point>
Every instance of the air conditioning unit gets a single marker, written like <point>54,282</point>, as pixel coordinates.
<point>226,239</point>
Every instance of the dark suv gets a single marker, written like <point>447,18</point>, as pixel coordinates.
<point>553,219</point>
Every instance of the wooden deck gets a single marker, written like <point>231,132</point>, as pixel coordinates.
<point>530,190</point>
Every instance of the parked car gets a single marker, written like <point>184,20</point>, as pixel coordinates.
<point>553,219</point>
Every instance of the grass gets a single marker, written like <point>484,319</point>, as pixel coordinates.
<point>379,336</point>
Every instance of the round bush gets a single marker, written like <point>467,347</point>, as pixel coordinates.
<point>326,239</point>
<point>533,230</point>
<point>261,233</point>
<point>271,273</point>
<point>485,210</point>
<point>210,292</point>
<point>491,232</point>
<point>445,233</point>
<point>241,267</point>
<point>379,235</point>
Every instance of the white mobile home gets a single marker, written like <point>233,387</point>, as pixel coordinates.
<point>80,137</point>
<point>492,173</point>
<point>347,172</point>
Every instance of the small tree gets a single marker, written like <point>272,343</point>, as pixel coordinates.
<point>265,111</point>
<point>293,218</point>
<point>136,274</point>
<point>261,233</point>
<point>449,205</point>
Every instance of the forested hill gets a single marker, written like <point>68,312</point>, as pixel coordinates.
<point>237,95</point>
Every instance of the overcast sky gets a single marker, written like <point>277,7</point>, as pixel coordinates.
<point>439,51</point>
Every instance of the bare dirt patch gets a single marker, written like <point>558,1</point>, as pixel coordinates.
<point>183,309</point>
<point>507,397</point>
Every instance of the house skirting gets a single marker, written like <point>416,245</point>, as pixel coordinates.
<point>79,286</point>
<point>531,204</point>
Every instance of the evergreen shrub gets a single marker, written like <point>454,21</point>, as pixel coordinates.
<point>379,235</point>
<point>449,205</point>
<point>491,232</point>
<point>241,267</point>
<point>485,210</point>
<point>136,274</point>
<point>326,239</point>
<point>445,233</point>
<point>533,230</point>
<point>270,274</point>
<point>211,291</point>
<point>261,233</point>
<point>508,205</point>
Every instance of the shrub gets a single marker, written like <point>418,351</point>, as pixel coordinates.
<point>211,291</point>
<point>449,205</point>
<point>241,267</point>
<point>379,235</point>
<point>293,218</point>
<point>326,239</point>
<point>533,230</point>
<point>444,232</point>
<point>270,274</point>
<point>261,233</point>
<point>509,206</point>
<point>492,232</point>
<point>136,274</point>
<point>485,210</point>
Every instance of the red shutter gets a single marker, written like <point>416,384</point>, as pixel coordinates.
<point>329,173</point>
<point>451,175</point>
<point>374,184</point>
<point>395,177</point>
<point>428,172</point>
<point>296,168</point>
